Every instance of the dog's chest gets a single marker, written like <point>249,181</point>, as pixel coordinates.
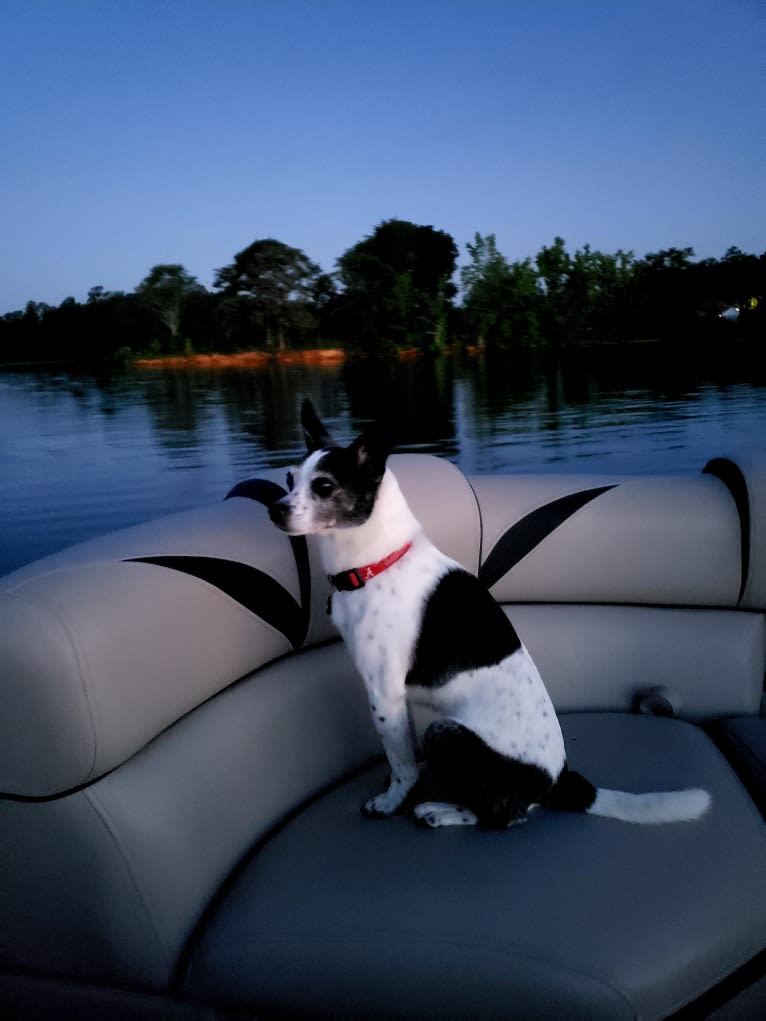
<point>380,623</point>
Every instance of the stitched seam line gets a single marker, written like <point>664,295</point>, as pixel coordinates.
<point>100,809</point>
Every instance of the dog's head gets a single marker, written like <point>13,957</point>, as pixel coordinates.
<point>334,487</point>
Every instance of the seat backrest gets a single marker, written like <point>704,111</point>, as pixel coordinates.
<point>622,584</point>
<point>154,726</point>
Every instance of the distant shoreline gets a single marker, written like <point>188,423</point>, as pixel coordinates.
<point>245,359</point>
<point>300,356</point>
<point>333,356</point>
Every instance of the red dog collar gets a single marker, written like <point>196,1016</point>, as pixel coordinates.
<point>357,577</point>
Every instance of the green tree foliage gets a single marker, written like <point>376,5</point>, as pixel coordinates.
<point>166,292</point>
<point>267,292</point>
<point>394,289</point>
<point>397,287</point>
<point>668,290</point>
<point>501,300</point>
<point>585,294</point>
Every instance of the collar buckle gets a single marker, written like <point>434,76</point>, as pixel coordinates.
<point>347,581</point>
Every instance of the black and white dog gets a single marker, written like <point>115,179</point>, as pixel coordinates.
<point>420,626</point>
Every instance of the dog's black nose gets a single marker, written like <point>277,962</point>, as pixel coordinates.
<point>278,512</point>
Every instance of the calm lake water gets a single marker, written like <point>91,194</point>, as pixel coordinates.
<point>82,454</point>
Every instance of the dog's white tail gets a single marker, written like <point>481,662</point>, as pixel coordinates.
<point>574,793</point>
<point>658,807</point>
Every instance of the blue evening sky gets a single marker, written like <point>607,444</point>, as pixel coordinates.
<point>144,131</point>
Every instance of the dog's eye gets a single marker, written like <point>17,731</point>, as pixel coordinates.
<point>322,488</point>
<point>290,481</point>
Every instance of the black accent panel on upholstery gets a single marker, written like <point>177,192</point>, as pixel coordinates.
<point>261,490</point>
<point>522,537</point>
<point>251,588</point>
<point>729,473</point>
<point>267,492</point>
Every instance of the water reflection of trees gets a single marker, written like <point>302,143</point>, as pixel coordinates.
<point>258,409</point>
<point>413,398</point>
<point>176,412</point>
<point>467,408</point>
<point>261,407</point>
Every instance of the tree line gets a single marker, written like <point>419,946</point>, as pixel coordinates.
<point>396,289</point>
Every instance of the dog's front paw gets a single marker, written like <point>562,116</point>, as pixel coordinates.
<point>387,803</point>
<point>381,806</point>
<point>394,797</point>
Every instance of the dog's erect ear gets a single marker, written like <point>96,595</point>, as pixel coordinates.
<point>317,437</point>
<point>372,448</point>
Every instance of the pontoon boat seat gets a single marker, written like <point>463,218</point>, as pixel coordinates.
<point>184,748</point>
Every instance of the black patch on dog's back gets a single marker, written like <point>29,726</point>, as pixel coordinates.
<point>462,628</point>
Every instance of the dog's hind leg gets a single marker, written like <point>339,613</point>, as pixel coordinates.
<point>441,813</point>
<point>496,790</point>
